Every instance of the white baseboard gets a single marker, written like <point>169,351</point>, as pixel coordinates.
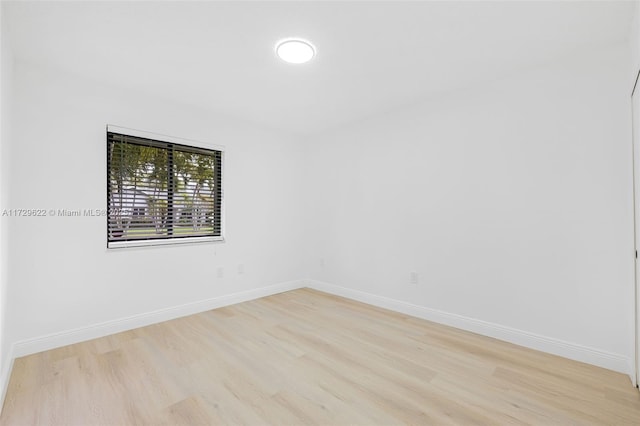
<point>5,375</point>
<point>569,350</point>
<point>68,337</point>
<point>550,345</point>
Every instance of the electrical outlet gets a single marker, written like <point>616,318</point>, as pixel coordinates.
<point>220,272</point>
<point>414,278</point>
<point>241,269</point>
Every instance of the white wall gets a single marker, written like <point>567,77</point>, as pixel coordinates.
<point>62,275</point>
<point>6,77</point>
<point>634,41</point>
<point>512,201</point>
<point>634,44</point>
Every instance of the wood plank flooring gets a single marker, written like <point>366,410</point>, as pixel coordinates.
<point>308,358</point>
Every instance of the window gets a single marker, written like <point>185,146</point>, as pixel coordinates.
<point>161,190</point>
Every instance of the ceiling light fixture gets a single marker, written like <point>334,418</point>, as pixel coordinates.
<point>295,51</point>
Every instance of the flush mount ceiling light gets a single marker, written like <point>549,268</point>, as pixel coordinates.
<point>295,51</point>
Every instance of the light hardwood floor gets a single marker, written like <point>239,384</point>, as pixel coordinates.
<point>305,357</point>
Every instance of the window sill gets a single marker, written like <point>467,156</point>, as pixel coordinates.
<point>161,242</point>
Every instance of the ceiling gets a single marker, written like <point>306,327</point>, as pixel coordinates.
<point>371,56</point>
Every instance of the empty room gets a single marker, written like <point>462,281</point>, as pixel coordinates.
<point>319,212</point>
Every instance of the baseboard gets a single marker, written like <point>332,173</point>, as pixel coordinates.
<point>554,346</point>
<point>5,375</point>
<point>55,340</point>
<point>550,345</point>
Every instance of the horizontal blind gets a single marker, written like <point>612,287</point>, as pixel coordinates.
<point>161,190</point>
